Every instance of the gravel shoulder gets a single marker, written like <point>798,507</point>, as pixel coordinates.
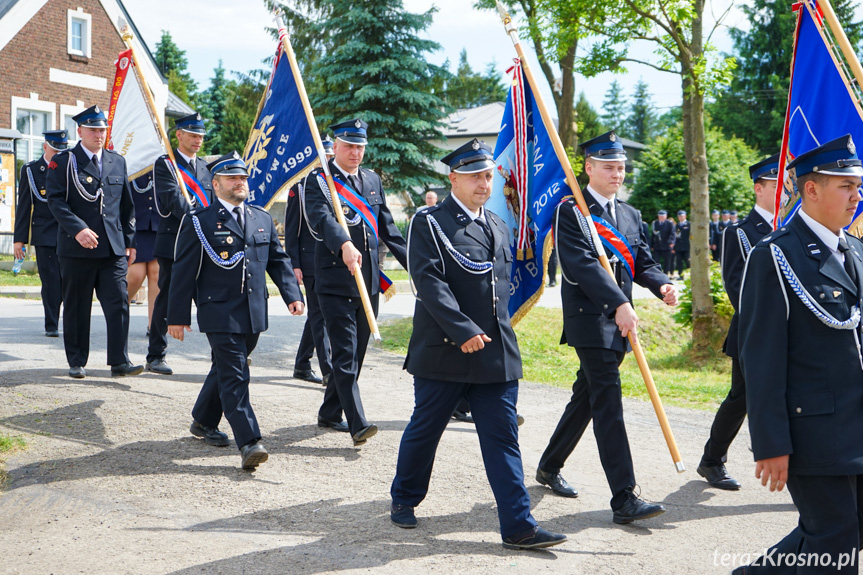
<point>112,482</point>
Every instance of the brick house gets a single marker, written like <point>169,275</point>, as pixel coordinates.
<point>56,59</point>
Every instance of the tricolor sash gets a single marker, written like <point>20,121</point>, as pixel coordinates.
<point>362,207</point>
<point>615,243</point>
<point>194,186</point>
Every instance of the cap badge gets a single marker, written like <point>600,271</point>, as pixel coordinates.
<point>229,240</point>
<point>358,124</point>
<point>475,145</point>
<point>235,155</point>
<point>613,137</point>
<point>97,110</point>
<point>199,117</point>
<point>852,149</point>
<point>224,255</point>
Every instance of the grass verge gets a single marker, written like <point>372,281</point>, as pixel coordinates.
<point>681,378</point>
<point>8,444</point>
<point>7,278</point>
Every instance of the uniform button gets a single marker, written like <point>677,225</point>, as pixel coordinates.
<point>605,306</point>
<point>799,410</point>
<point>821,295</point>
<point>250,290</point>
<point>496,299</point>
<point>446,340</point>
<point>350,300</point>
<point>151,209</point>
<point>494,259</point>
<point>467,254</point>
<point>581,309</point>
<point>150,198</point>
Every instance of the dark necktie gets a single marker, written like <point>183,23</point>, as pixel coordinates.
<point>485,228</point>
<point>192,165</point>
<point>239,212</point>
<point>354,181</point>
<point>849,258</point>
<point>609,208</point>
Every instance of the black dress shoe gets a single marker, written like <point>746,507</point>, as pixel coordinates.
<point>77,372</point>
<point>361,436</point>
<point>253,454</point>
<point>636,508</point>
<point>557,483</point>
<point>519,420</point>
<point>462,416</point>
<point>52,333</point>
<point>336,425</point>
<point>536,538</point>
<point>210,435</point>
<point>307,375</point>
<point>717,476</point>
<point>403,516</point>
<point>326,380</point>
<point>159,366</point>
<point>125,369</point>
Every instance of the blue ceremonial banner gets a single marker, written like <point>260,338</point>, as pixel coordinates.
<point>529,183</point>
<point>281,148</point>
<point>821,105</point>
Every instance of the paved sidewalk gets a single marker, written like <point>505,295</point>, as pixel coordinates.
<point>111,481</point>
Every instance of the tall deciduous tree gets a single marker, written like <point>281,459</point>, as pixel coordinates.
<point>241,107</point>
<point>677,31</point>
<point>554,28</point>
<point>377,70</point>
<point>663,183</point>
<point>641,121</point>
<point>753,105</point>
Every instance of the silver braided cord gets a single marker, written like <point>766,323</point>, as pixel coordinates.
<point>33,191</point>
<point>806,298</point>
<point>463,261</point>
<point>745,246</point>
<point>227,264</point>
<point>73,176</point>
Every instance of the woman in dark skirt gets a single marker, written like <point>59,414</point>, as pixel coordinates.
<point>146,225</point>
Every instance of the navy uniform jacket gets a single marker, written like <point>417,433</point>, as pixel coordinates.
<point>146,209</point>
<point>41,229</point>
<point>299,242</point>
<point>682,231</point>
<point>115,224</point>
<point>733,262</point>
<point>804,382</point>
<point>715,233</point>
<point>228,303</point>
<point>331,274</point>
<point>663,235</point>
<point>171,203</point>
<point>590,295</point>
<point>453,305</point>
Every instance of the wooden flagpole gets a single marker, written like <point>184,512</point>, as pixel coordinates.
<point>603,258</point>
<point>841,39</point>
<point>285,39</point>
<point>126,34</point>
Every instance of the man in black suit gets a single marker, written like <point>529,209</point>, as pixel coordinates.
<point>463,345</point>
<point>172,206</point>
<point>88,193</point>
<point>224,253</point>
<point>598,316</point>
<point>715,235</point>
<point>300,245</point>
<point>663,241</point>
<point>35,225</point>
<point>682,233</point>
<point>737,241</point>
<point>804,372</point>
<point>337,255</point>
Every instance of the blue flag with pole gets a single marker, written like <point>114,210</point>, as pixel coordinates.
<point>281,148</point>
<point>528,184</point>
<point>822,103</point>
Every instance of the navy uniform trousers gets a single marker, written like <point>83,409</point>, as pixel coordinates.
<point>493,406</point>
<point>314,336</point>
<point>596,394</point>
<point>348,331</point>
<point>226,387</point>
<point>52,287</point>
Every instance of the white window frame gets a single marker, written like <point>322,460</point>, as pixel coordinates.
<point>87,21</point>
<point>37,105</point>
<point>67,111</point>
